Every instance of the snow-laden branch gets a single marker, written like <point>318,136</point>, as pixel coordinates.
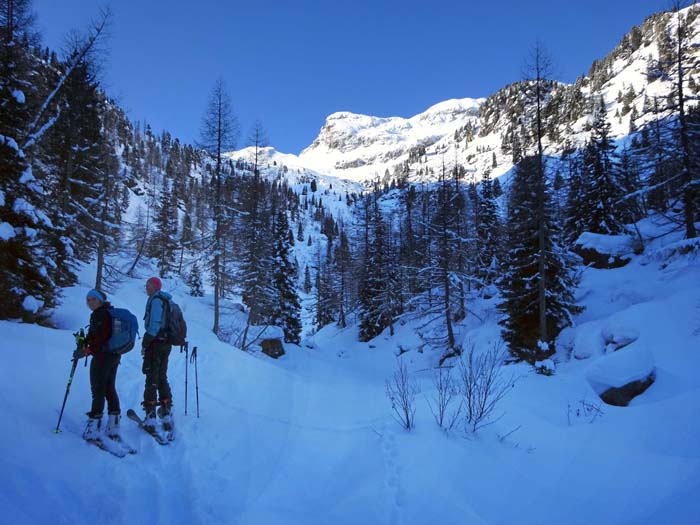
<point>93,36</point>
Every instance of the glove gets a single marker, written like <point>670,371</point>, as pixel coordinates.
<point>89,350</point>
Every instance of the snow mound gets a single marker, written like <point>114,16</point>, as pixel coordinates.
<point>618,336</point>
<point>620,368</point>
<point>609,244</point>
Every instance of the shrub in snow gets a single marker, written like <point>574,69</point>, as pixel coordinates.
<point>446,391</point>
<point>402,391</point>
<point>584,410</point>
<point>687,249</point>
<point>483,386</point>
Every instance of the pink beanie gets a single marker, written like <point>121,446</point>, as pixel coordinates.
<point>155,282</point>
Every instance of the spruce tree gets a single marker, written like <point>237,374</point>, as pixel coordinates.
<point>287,309</point>
<point>522,278</point>
<point>487,233</point>
<point>324,303</point>
<point>599,203</point>
<point>307,280</point>
<point>378,299</point>
<point>194,281</point>
<point>25,228</point>
<point>343,269</point>
<point>165,241</point>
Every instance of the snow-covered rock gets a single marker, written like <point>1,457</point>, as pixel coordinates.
<point>619,377</point>
<point>604,251</point>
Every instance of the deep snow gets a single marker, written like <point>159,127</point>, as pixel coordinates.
<point>310,438</point>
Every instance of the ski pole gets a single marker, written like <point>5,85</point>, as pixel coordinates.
<point>186,348</point>
<point>80,341</point>
<point>196,377</point>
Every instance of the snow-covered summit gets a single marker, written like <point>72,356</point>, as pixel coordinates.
<point>478,133</point>
<point>359,146</point>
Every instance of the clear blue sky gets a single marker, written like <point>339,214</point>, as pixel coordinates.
<point>291,63</point>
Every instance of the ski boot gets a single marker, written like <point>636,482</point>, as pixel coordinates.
<point>165,414</point>
<point>112,428</point>
<point>149,422</point>
<point>92,428</point>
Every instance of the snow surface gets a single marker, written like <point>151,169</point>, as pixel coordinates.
<point>621,367</point>
<point>309,438</point>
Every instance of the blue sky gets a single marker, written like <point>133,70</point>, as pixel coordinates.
<point>291,64</point>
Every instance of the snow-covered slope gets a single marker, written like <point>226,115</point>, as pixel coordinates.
<point>361,147</point>
<point>310,439</point>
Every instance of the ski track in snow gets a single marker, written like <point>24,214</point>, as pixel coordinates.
<point>392,472</point>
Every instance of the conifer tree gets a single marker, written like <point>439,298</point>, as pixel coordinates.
<point>194,281</point>
<point>307,280</point>
<point>343,269</point>
<point>379,290</point>
<point>24,227</point>
<point>599,203</point>
<point>521,282</point>
<point>286,309</point>
<point>165,241</point>
<point>219,132</point>
<point>487,233</point>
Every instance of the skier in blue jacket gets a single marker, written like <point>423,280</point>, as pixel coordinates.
<point>156,351</point>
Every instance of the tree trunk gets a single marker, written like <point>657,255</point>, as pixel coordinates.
<point>688,191</point>
<point>541,216</point>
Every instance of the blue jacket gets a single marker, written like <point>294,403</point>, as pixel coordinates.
<point>154,318</point>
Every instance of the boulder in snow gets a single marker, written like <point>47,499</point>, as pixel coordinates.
<point>620,377</point>
<point>272,347</point>
<point>604,251</point>
<point>270,338</point>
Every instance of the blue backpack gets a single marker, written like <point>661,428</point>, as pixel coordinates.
<point>125,326</point>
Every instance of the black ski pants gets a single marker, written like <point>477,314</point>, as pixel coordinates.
<point>103,379</point>
<point>155,366</point>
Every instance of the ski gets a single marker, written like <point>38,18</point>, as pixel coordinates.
<point>123,444</point>
<point>136,419</point>
<point>103,446</point>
